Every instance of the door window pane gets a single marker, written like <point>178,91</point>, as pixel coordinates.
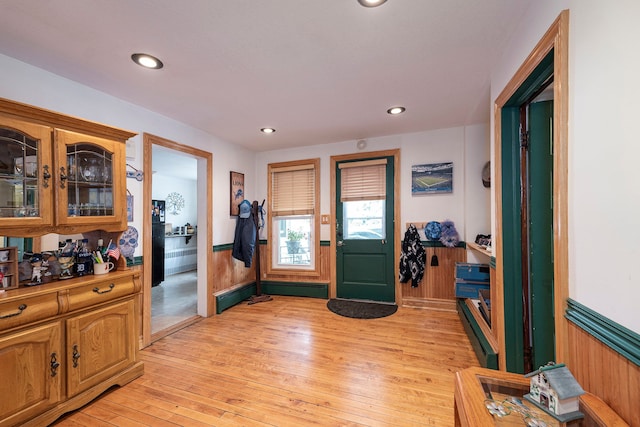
<point>364,219</point>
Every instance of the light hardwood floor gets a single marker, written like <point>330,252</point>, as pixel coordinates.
<point>292,362</point>
<point>174,301</point>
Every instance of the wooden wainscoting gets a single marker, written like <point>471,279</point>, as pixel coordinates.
<point>229,272</point>
<point>605,373</point>
<point>437,287</point>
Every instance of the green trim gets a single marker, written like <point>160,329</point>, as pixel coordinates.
<point>615,336</point>
<point>135,261</point>
<point>229,299</point>
<point>325,243</point>
<point>233,297</point>
<point>485,354</point>
<point>299,289</point>
<point>492,262</point>
<point>438,244</point>
<point>223,247</point>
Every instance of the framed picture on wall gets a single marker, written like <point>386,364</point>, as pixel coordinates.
<point>432,178</point>
<point>237,192</point>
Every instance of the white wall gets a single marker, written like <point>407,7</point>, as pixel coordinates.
<point>163,185</point>
<point>604,195</point>
<point>442,145</point>
<point>24,83</point>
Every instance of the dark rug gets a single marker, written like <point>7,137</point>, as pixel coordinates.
<point>361,310</point>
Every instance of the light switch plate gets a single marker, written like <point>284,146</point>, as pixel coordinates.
<point>325,219</point>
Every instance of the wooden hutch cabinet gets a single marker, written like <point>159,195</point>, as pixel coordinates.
<point>59,174</point>
<point>65,342</point>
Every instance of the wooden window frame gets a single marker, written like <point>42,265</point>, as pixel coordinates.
<point>279,272</point>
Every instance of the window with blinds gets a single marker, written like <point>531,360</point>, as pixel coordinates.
<point>293,190</point>
<point>293,207</point>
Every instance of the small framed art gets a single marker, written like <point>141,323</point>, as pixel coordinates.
<point>236,180</point>
<point>432,178</point>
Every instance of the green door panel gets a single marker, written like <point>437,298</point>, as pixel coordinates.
<point>512,237</point>
<point>541,232</point>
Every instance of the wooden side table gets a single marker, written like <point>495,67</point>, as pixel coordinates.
<point>475,386</point>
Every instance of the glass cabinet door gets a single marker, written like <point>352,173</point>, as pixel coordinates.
<point>25,173</point>
<point>90,187</point>
<point>89,180</point>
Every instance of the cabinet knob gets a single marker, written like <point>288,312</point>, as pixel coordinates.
<point>75,355</point>
<point>63,177</point>
<point>45,176</point>
<point>54,364</point>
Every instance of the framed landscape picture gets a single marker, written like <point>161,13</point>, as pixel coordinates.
<point>237,192</point>
<point>432,178</point>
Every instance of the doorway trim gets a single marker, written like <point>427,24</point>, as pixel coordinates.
<point>206,301</point>
<point>556,39</point>
<point>396,213</point>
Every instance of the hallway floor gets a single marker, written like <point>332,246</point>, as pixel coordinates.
<point>174,300</point>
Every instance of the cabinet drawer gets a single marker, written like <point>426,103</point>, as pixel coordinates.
<point>17,312</point>
<point>99,292</point>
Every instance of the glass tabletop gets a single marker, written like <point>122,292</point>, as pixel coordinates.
<point>505,401</point>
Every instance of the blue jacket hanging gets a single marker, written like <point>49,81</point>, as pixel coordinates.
<point>413,257</point>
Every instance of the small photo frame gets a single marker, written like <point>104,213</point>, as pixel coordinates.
<point>432,178</point>
<point>236,180</point>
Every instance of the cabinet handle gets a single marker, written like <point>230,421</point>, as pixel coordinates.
<point>63,177</point>
<point>75,355</point>
<point>98,291</point>
<point>54,364</point>
<point>21,308</point>
<point>46,176</point>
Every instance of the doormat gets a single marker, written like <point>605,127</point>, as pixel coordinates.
<point>361,310</point>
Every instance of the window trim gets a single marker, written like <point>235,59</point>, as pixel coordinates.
<point>272,269</point>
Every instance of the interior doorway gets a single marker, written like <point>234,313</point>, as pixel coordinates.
<point>183,197</point>
<point>518,253</point>
<point>174,235</point>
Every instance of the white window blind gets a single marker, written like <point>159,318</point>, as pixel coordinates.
<point>364,180</point>
<point>293,190</point>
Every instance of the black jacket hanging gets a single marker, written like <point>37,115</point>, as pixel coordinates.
<point>413,257</point>
<point>245,240</point>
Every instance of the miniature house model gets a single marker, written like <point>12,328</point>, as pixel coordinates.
<point>554,389</point>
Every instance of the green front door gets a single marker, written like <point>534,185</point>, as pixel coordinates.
<point>364,242</point>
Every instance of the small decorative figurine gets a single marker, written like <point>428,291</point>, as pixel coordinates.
<point>36,269</point>
<point>66,267</point>
<point>554,390</point>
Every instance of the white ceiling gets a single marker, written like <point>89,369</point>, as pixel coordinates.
<point>318,71</point>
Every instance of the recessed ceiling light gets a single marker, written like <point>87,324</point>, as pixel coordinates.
<point>267,130</point>
<point>396,110</point>
<point>371,3</point>
<point>147,61</point>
